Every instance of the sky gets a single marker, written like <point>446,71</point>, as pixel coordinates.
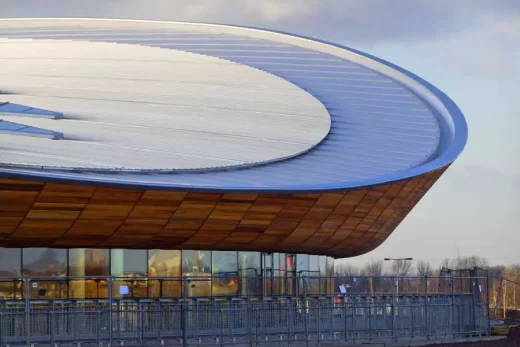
<point>470,49</point>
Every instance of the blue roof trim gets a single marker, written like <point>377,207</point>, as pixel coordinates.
<point>448,151</point>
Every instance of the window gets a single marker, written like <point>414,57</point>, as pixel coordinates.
<point>166,266</point>
<point>249,268</point>
<point>197,266</point>
<point>302,265</point>
<point>314,275</point>
<point>278,274</point>
<point>91,266</point>
<point>44,263</point>
<point>323,275</point>
<point>330,275</point>
<point>225,273</point>
<point>10,266</point>
<point>129,267</point>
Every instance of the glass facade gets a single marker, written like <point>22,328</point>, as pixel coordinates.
<point>124,273</point>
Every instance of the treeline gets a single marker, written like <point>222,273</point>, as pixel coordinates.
<point>417,268</point>
<point>502,287</point>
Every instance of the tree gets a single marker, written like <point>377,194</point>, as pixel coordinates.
<point>423,268</point>
<point>401,267</point>
<point>374,271</point>
<point>469,262</point>
<point>347,270</point>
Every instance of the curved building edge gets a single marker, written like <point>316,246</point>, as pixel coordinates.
<point>454,123</point>
<point>337,224</point>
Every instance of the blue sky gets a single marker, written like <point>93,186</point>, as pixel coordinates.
<point>470,49</point>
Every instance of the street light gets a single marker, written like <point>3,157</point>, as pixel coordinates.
<point>399,260</point>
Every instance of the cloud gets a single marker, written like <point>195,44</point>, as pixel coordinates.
<point>337,20</point>
<point>488,45</point>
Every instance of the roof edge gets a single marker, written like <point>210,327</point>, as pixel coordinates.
<point>437,99</point>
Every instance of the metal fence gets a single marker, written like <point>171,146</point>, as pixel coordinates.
<point>505,299</point>
<point>347,316</point>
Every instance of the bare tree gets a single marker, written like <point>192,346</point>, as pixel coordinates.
<point>374,271</point>
<point>374,268</point>
<point>401,267</point>
<point>470,262</point>
<point>347,270</point>
<point>423,268</point>
<point>446,264</point>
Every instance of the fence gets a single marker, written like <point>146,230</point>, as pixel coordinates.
<point>505,299</point>
<point>374,309</point>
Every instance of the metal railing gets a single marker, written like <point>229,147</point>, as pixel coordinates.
<point>505,299</point>
<point>361,314</point>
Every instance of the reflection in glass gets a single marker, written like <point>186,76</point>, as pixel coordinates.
<point>302,265</point>
<point>314,273</point>
<point>129,267</point>
<point>330,274</point>
<point>164,263</point>
<point>225,272</point>
<point>45,262</point>
<point>249,267</point>
<point>197,264</point>
<point>267,273</point>
<point>290,284</point>
<point>88,262</point>
<point>323,274</point>
<point>10,266</point>
<point>278,273</point>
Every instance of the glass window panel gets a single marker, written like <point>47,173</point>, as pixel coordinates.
<point>323,274</point>
<point>10,266</point>
<point>129,268</point>
<point>314,275</point>
<point>267,273</point>
<point>249,268</point>
<point>279,274</point>
<point>225,273</point>
<point>330,275</point>
<point>166,265</point>
<point>91,266</point>
<point>196,265</point>
<point>290,281</point>
<point>45,262</point>
<point>302,265</point>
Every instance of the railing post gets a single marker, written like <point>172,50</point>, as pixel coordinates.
<point>249,314</point>
<point>394,313</point>
<point>221,327</point>
<point>487,304</point>
<point>183,312</point>
<point>27,322</point>
<point>305,313</point>
<point>345,315</point>
<point>110,313</point>
<point>426,308</point>
<point>453,308</point>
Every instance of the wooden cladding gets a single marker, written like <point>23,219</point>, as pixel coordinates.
<point>338,224</point>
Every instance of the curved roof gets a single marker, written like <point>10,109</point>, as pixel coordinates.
<point>386,124</point>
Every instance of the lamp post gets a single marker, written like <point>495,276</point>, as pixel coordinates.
<point>399,260</point>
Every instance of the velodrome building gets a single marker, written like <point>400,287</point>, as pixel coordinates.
<point>156,150</point>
